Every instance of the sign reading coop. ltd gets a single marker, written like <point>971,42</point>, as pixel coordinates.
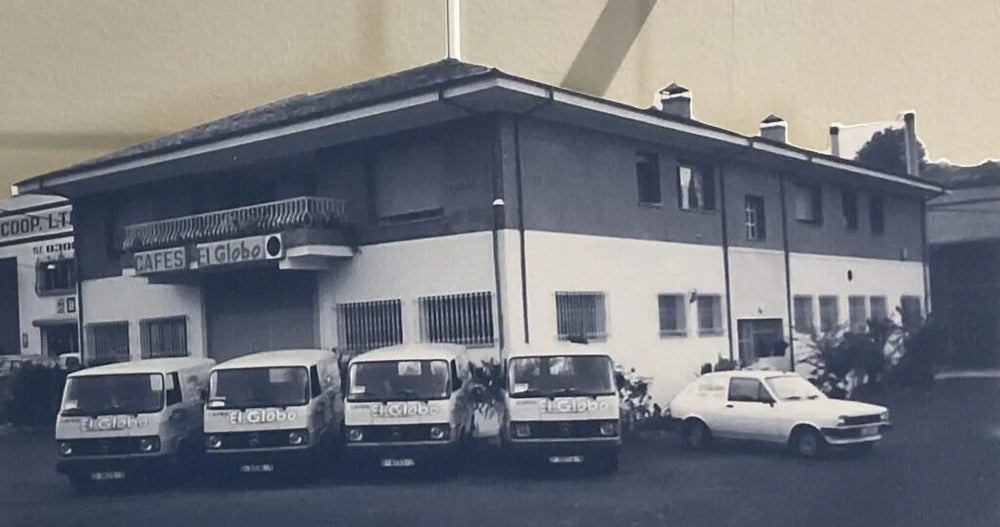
<point>17,226</point>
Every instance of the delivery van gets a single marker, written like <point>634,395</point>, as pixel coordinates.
<point>132,420</point>
<point>561,407</point>
<point>274,411</point>
<point>408,406</point>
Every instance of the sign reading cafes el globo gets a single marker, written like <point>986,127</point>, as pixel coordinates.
<point>211,254</point>
<point>17,226</point>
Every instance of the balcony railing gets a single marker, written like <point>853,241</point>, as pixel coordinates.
<point>253,220</point>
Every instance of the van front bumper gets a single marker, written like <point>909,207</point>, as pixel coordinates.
<point>292,459</point>
<point>131,464</point>
<point>415,453</point>
<point>546,450</point>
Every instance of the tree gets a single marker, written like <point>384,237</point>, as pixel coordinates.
<point>886,151</point>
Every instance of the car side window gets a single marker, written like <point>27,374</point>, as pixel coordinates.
<point>173,389</point>
<point>744,389</point>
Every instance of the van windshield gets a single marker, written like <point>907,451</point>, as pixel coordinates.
<point>134,393</point>
<point>258,387</point>
<point>561,375</point>
<point>399,380</point>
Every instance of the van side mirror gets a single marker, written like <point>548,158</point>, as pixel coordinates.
<point>203,394</point>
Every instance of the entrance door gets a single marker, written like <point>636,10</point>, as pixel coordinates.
<point>59,339</point>
<point>257,310</point>
<point>757,339</point>
<point>10,319</point>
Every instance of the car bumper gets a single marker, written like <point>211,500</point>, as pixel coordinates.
<point>855,434</point>
<point>125,464</point>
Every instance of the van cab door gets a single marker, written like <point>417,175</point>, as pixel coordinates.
<point>179,416</point>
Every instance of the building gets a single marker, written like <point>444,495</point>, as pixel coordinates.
<point>455,202</point>
<point>38,302</point>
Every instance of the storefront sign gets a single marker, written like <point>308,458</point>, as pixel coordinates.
<point>230,252</point>
<point>18,226</point>
<point>53,248</point>
<point>107,423</point>
<point>261,416</point>
<point>161,260</point>
<point>403,409</point>
<point>572,406</point>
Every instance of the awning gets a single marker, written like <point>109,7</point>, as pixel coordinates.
<point>49,322</point>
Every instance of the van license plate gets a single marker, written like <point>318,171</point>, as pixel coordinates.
<point>105,476</point>
<point>869,431</point>
<point>256,468</point>
<point>398,462</point>
<point>566,459</point>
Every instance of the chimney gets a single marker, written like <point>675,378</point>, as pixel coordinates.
<point>774,128</point>
<point>676,100</point>
<point>835,139</point>
<point>912,150</point>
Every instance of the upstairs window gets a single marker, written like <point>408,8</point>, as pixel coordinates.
<point>407,181</point>
<point>849,206</point>
<point>465,318</point>
<point>362,326</point>
<point>696,188</point>
<point>673,319</point>
<point>876,211</point>
<point>755,224</point>
<point>581,315</point>
<point>55,277</point>
<point>647,173</point>
<point>808,204</point>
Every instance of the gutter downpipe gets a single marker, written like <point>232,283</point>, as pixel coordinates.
<point>725,246</point>
<point>80,340</point>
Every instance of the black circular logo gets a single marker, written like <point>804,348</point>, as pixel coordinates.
<point>273,246</point>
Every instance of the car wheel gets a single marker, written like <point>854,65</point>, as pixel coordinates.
<point>808,443</point>
<point>697,435</point>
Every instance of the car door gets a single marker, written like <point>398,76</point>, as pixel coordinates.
<point>749,410</point>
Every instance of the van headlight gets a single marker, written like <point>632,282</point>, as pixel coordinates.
<point>440,432</point>
<point>355,434</point>
<point>213,442</point>
<point>298,437</point>
<point>149,444</point>
<point>884,416</point>
<point>842,420</point>
<point>609,428</point>
<point>522,430</point>
<point>65,449</point>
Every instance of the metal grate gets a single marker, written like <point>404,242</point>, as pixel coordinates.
<point>164,337</point>
<point>581,315</point>
<point>465,318</point>
<point>109,342</point>
<point>362,326</point>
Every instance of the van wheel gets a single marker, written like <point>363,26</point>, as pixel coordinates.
<point>696,434</point>
<point>808,443</point>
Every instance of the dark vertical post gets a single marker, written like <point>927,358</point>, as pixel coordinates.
<point>788,271</point>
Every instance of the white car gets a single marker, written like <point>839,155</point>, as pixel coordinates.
<point>776,407</point>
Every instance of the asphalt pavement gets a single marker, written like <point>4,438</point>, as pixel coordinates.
<point>938,467</point>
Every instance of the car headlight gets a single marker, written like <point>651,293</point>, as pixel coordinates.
<point>355,434</point>
<point>609,428</point>
<point>149,444</point>
<point>439,432</point>
<point>522,430</point>
<point>842,420</point>
<point>214,442</point>
<point>65,449</point>
<point>297,438</point>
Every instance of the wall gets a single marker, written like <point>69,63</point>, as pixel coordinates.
<point>32,306</point>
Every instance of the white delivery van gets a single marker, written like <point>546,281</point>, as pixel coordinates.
<point>274,411</point>
<point>561,406</point>
<point>410,405</point>
<point>127,420</point>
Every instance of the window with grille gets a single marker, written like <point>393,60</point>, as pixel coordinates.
<point>647,172</point>
<point>673,322</point>
<point>808,204</point>
<point>55,277</point>
<point>756,227</point>
<point>362,326</point>
<point>465,318</point>
<point>164,337</point>
<point>829,314</point>
<point>581,315</point>
<point>912,311</point>
<point>804,314</point>
<point>858,313</point>
<point>696,188</point>
<point>879,308</point>
<point>108,342</point>
<point>849,206</point>
<point>709,315</point>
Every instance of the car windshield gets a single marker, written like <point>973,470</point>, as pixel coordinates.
<point>399,380</point>
<point>793,388</point>
<point>562,375</point>
<point>113,394</point>
<point>258,387</point>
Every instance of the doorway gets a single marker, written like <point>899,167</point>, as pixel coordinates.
<point>60,338</point>
<point>10,320</point>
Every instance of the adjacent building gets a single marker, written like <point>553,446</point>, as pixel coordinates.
<point>38,302</point>
<point>455,202</point>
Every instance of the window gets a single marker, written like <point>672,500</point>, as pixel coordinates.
<point>362,326</point>
<point>462,319</point>
<point>804,314</point>
<point>647,173</point>
<point>55,277</point>
<point>829,316</point>
<point>876,211</point>
<point>911,310</point>
<point>673,321</point>
<point>808,204</point>
<point>709,315</point>
<point>756,226</point>
<point>108,342</point>
<point>760,338</point>
<point>315,385</point>
<point>858,311</point>
<point>849,206</point>
<point>164,337</point>
<point>879,308</point>
<point>696,188</point>
<point>580,315</point>
<point>408,180</point>
<point>173,387</point>
<point>746,390</point>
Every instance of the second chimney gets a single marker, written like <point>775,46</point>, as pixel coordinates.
<point>676,100</point>
<point>774,128</point>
